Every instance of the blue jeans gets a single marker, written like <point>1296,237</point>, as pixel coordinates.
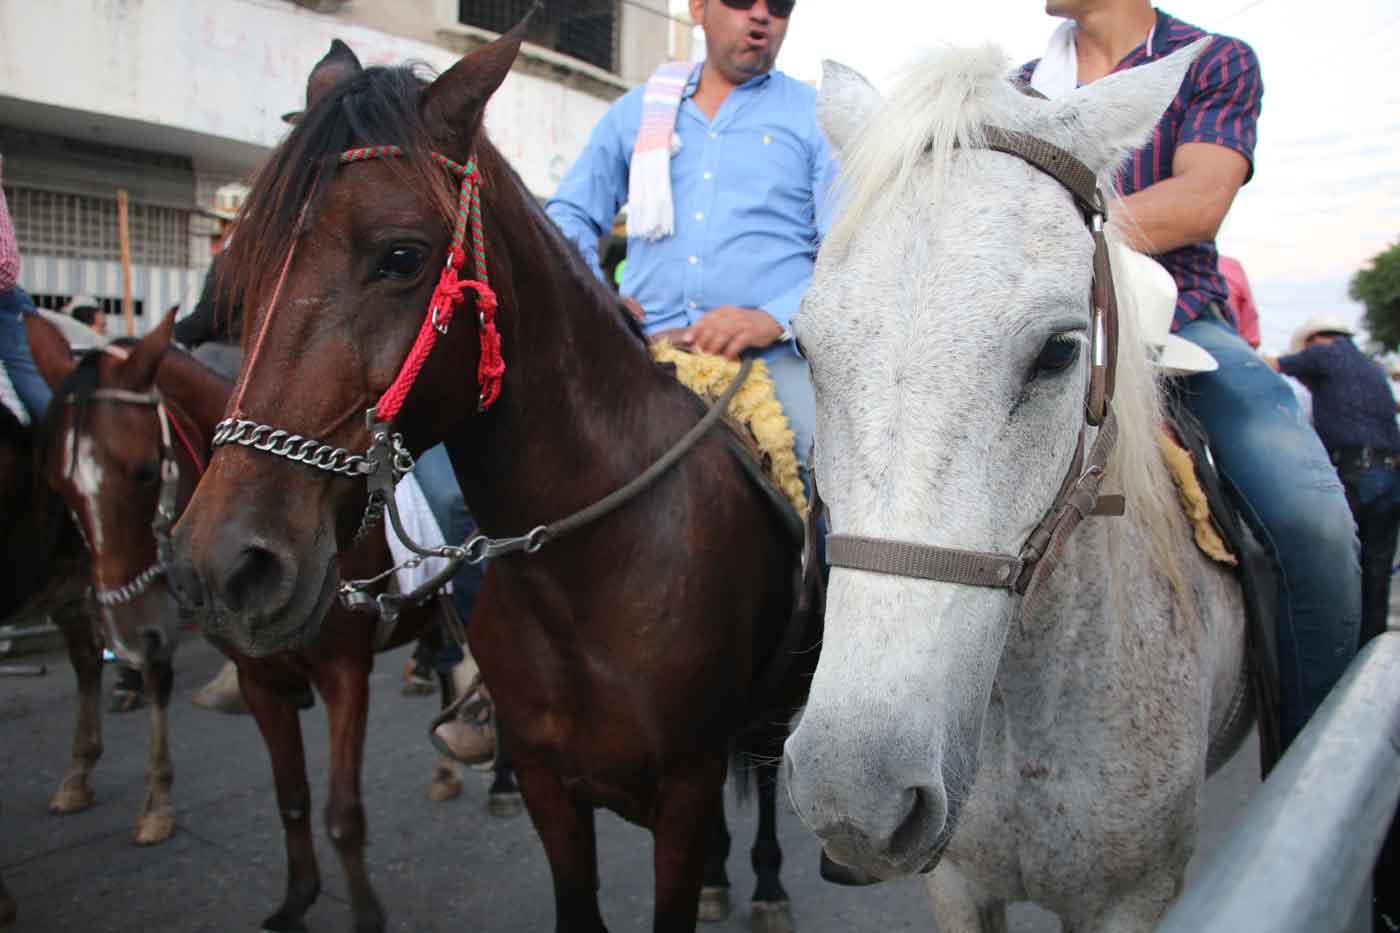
<point>792,383</point>
<point>14,351</point>
<point>434,474</point>
<point>1290,495</point>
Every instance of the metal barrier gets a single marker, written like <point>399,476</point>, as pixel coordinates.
<point>1301,857</point>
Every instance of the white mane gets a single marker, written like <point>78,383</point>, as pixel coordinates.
<point>939,104</point>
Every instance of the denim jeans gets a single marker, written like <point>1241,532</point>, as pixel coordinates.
<point>792,383</point>
<point>434,474</point>
<point>14,351</point>
<point>1292,498</point>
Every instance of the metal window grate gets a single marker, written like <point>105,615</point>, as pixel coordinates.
<point>584,29</point>
<point>74,226</point>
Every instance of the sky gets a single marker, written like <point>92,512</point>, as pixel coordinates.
<point>1325,197</point>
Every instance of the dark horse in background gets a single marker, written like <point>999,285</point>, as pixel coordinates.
<point>628,658</point>
<point>45,569</point>
<point>105,410</point>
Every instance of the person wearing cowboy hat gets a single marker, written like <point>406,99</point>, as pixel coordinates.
<point>1354,414</point>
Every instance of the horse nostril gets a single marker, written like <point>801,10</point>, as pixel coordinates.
<point>255,576</point>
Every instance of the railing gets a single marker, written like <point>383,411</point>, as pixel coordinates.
<point>1301,858</point>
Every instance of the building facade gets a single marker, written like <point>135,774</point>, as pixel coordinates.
<point>174,101</point>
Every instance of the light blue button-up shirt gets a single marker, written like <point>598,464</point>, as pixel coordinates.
<point>750,191</point>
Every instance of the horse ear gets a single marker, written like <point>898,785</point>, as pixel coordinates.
<point>334,67</point>
<point>454,104</point>
<point>845,103</point>
<point>139,368</point>
<point>1115,116</point>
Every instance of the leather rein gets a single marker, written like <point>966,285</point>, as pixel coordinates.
<point>1079,496</point>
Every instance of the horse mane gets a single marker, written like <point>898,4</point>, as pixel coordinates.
<point>942,103</point>
<point>377,107</point>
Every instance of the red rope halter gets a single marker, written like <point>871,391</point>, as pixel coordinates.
<point>447,295</point>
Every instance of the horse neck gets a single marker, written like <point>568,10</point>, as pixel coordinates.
<point>581,398</point>
<point>195,390</point>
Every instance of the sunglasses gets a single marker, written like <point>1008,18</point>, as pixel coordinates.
<point>782,9</point>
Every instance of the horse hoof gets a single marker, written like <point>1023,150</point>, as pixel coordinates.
<point>714,904</point>
<point>68,799</point>
<point>154,828</point>
<point>277,923</point>
<point>504,806</point>
<point>444,786</point>
<point>771,917</point>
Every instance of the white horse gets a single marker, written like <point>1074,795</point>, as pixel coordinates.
<point>1056,756</point>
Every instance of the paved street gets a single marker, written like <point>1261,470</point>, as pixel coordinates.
<point>436,866</point>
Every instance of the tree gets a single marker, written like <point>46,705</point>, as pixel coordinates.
<point>1378,288</point>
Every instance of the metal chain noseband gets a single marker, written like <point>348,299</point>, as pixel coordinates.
<point>294,447</point>
<point>1078,496</point>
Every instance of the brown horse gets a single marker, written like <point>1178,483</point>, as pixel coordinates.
<point>627,658</point>
<point>47,567</point>
<point>107,411</point>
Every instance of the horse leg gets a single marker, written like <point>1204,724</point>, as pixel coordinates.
<point>8,909</point>
<point>75,793</point>
<point>772,913</point>
<point>280,725</point>
<point>565,827</point>
<point>344,684</point>
<point>714,891</point>
<point>157,820</point>
<point>960,905</point>
<point>686,814</point>
<point>503,800</point>
<point>445,784</point>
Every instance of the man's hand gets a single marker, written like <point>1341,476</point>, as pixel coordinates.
<point>634,309</point>
<point>729,330</point>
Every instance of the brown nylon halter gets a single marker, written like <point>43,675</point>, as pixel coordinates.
<point>1079,493</point>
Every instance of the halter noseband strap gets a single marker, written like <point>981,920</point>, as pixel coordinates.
<point>1078,496</point>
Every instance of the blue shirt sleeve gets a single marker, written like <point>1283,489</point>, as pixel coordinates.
<point>589,197</point>
<point>1306,364</point>
<point>824,176</point>
<point>1226,99</point>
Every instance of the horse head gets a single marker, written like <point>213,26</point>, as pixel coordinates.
<point>340,259</point>
<point>101,451</point>
<point>949,332</point>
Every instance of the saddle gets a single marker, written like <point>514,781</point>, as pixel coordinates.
<point>1223,535</point>
<point>756,428</point>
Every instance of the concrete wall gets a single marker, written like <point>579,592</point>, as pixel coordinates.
<point>210,78</point>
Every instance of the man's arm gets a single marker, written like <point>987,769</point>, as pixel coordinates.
<point>588,198</point>
<point>1213,159</point>
<point>1305,364</point>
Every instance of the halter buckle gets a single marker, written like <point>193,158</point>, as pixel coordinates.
<point>433,316</point>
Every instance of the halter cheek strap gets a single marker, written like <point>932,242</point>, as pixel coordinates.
<point>490,367</point>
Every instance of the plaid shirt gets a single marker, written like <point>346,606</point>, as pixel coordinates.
<point>1218,103</point>
<point>9,249</point>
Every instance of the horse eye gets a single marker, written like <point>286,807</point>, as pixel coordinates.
<point>1058,354</point>
<point>146,475</point>
<point>402,262</point>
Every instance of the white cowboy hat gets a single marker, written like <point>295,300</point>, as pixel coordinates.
<point>1318,324</point>
<point>80,301</point>
<point>1142,283</point>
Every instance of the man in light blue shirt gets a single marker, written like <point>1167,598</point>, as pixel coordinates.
<point>749,185</point>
